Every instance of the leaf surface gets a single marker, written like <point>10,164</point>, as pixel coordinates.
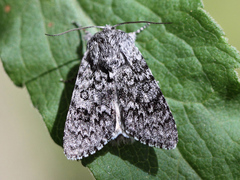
<point>196,68</point>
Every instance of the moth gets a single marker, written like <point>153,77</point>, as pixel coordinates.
<point>115,94</point>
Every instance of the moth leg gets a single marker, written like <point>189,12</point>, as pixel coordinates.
<point>87,36</point>
<point>72,80</point>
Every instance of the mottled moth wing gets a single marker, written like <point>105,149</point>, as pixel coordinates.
<point>91,117</point>
<point>116,94</point>
<point>144,111</point>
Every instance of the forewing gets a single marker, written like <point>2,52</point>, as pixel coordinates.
<point>145,113</point>
<point>91,117</point>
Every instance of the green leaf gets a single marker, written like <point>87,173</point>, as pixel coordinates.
<point>195,66</point>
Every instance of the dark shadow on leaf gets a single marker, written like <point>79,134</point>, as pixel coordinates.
<point>233,91</point>
<point>140,155</point>
<point>59,123</point>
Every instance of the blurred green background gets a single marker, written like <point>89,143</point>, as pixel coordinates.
<point>27,150</point>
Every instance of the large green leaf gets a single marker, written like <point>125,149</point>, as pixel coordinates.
<point>195,67</point>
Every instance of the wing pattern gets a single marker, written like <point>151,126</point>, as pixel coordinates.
<point>115,93</point>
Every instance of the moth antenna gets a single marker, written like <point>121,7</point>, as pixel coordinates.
<point>102,27</point>
<point>142,28</point>
<point>135,22</point>
<point>76,29</point>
